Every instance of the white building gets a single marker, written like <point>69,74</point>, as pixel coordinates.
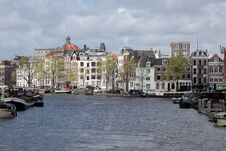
<point>89,73</point>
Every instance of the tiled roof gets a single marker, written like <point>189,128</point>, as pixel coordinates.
<point>69,47</point>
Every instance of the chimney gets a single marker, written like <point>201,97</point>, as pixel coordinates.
<point>85,47</point>
<point>102,46</point>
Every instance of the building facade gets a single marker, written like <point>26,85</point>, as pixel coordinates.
<point>180,47</point>
<point>216,71</point>
<point>6,72</point>
<point>200,70</point>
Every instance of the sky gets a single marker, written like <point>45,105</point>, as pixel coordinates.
<point>26,25</point>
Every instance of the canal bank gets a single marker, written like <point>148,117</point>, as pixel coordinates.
<point>96,123</point>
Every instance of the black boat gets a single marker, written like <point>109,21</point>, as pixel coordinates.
<point>21,104</point>
<point>23,99</point>
<point>185,102</point>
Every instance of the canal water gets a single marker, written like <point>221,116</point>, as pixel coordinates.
<point>98,123</point>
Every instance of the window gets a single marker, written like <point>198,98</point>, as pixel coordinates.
<point>194,62</point>
<point>194,80</point>
<point>81,77</point>
<point>194,70</point>
<point>215,70</point>
<point>98,64</point>
<point>81,64</point>
<point>87,78</point>
<point>220,80</point>
<point>158,69</point>
<point>147,78</point>
<point>211,79</point>
<point>164,62</point>
<point>220,69</point>
<point>200,80</point>
<point>204,62</point>
<point>163,85</point>
<point>93,77</point>
<point>148,71</point>
<point>158,77</point>
<point>81,70</point>
<point>87,64</point>
<point>188,76</point>
<point>93,64</point>
<point>157,85</point>
<point>204,71</point>
<point>183,76</point>
<point>215,79</point>
<point>148,64</point>
<point>211,69</point>
<point>93,70</point>
<point>148,86</point>
<point>98,77</point>
<point>200,62</point>
<point>173,86</point>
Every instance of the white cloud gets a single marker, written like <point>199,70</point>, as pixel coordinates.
<point>29,24</point>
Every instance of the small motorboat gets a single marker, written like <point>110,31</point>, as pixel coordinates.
<point>7,110</point>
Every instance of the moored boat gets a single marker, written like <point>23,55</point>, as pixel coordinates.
<point>63,91</point>
<point>220,119</point>
<point>7,110</point>
<point>21,104</point>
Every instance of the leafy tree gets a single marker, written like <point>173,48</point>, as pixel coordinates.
<point>71,76</point>
<point>176,67</point>
<point>39,67</point>
<point>54,69</point>
<point>128,70</point>
<point>13,78</point>
<point>26,65</point>
<point>108,67</point>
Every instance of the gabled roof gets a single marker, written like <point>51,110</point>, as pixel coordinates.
<point>212,59</point>
<point>159,61</point>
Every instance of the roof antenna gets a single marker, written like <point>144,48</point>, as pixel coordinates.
<point>197,44</point>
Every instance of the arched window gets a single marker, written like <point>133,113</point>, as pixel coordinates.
<point>215,69</point>
<point>173,86</point>
<point>211,69</point>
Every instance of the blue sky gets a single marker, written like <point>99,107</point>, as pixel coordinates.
<point>29,24</point>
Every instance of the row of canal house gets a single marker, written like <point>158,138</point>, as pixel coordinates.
<point>204,72</point>
<point>150,73</point>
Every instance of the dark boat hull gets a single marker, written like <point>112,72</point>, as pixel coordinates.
<point>20,104</point>
<point>185,105</point>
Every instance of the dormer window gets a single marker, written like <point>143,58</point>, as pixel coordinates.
<point>164,62</point>
<point>148,64</point>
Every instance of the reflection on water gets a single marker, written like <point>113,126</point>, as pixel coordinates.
<point>94,123</point>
